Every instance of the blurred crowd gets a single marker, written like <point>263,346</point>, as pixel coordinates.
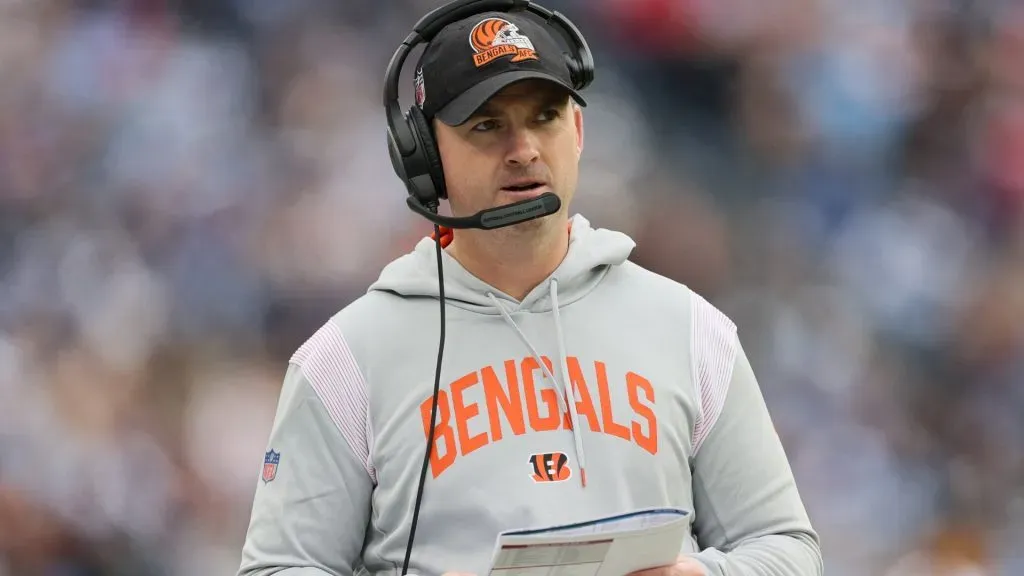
<point>189,188</point>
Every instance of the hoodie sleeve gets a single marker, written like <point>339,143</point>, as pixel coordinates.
<point>749,518</point>
<point>311,517</point>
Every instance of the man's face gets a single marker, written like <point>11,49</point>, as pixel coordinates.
<point>526,140</point>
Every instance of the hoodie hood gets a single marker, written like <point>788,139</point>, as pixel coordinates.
<point>592,253</point>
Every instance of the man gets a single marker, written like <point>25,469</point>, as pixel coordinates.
<point>575,383</point>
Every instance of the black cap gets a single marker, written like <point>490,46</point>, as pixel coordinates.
<point>473,59</point>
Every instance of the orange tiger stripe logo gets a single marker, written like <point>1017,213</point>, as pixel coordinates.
<point>550,467</point>
<point>493,38</point>
<point>485,32</point>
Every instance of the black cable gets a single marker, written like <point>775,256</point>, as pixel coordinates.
<point>433,407</point>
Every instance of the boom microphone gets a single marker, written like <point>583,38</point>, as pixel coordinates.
<point>544,205</point>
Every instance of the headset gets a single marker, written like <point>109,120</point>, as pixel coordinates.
<point>417,162</point>
<point>410,137</point>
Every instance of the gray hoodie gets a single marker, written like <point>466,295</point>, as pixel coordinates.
<point>607,389</point>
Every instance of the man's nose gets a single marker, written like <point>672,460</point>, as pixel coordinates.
<point>523,147</point>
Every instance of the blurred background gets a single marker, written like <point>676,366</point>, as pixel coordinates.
<point>189,188</point>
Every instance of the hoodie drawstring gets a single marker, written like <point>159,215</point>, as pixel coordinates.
<point>568,393</point>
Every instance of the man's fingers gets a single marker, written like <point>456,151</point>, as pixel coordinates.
<point>656,571</point>
<point>684,566</point>
<point>648,572</point>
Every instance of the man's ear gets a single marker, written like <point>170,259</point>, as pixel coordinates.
<point>577,114</point>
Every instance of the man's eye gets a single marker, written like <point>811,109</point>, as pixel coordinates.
<point>485,126</point>
<point>550,114</point>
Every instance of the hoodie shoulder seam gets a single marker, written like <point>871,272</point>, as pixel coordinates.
<point>713,345</point>
<point>328,364</point>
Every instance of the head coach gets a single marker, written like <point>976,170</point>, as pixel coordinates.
<point>561,383</point>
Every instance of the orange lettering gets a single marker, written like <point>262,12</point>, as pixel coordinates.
<point>463,414</point>
<point>503,398</point>
<point>648,441</point>
<point>442,432</point>
<point>511,403</point>
<point>584,406</point>
<point>610,426</point>
<point>551,421</point>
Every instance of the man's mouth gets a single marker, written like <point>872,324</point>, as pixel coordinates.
<point>523,187</point>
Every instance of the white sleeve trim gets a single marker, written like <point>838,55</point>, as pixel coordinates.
<point>713,346</point>
<point>328,364</point>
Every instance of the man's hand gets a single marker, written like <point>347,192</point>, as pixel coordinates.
<point>684,566</point>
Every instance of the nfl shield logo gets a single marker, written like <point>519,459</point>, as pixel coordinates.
<point>270,461</point>
<point>420,90</point>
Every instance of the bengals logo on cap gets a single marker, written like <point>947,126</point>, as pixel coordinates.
<point>493,38</point>
<point>550,467</point>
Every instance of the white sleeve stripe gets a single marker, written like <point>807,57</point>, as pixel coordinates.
<point>328,364</point>
<point>714,344</point>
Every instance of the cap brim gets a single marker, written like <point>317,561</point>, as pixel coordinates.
<point>466,104</point>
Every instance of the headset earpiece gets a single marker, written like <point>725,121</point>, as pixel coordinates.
<point>426,144</point>
<point>582,67</point>
<point>575,70</point>
<point>394,152</point>
<point>420,167</point>
<point>580,59</point>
